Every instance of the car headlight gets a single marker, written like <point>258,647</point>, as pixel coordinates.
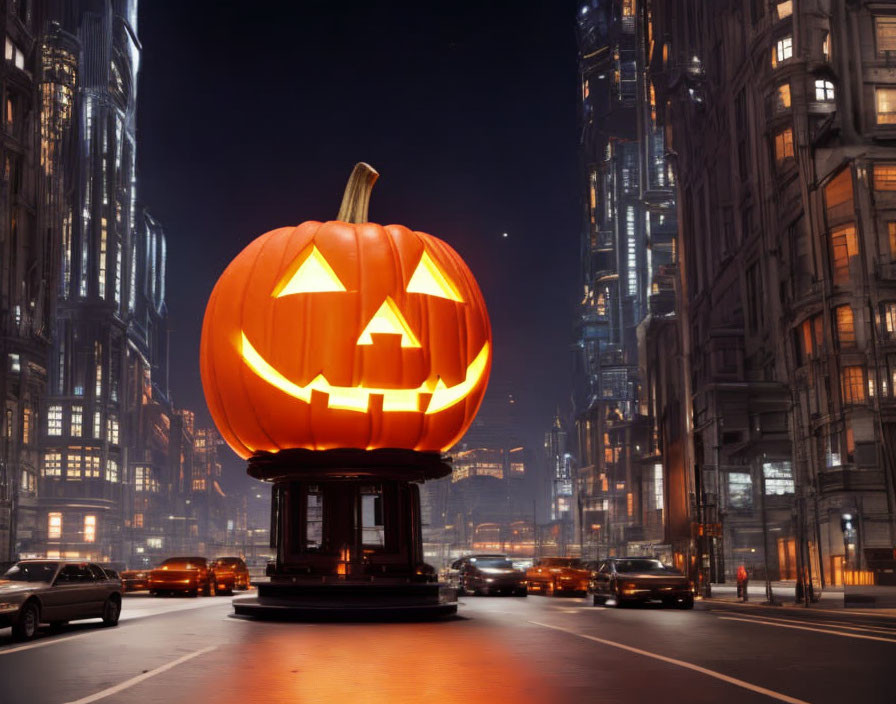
<point>629,585</point>
<point>489,579</point>
<point>9,606</point>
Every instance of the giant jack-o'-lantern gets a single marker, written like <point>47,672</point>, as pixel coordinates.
<point>345,334</point>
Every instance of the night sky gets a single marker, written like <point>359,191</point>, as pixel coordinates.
<point>252,114</point>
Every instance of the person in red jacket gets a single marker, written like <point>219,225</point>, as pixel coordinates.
<point>742,580</point>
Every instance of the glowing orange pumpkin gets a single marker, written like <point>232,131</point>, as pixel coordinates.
<point>345,334</point>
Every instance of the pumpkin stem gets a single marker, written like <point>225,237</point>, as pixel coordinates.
<point>356,199</point>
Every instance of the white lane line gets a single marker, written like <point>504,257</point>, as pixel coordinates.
<point>835,624</point>
<point>128,617</point>
<point>42,643</point>
<point>806,628</point>
<point>681,663</point>
<point>140,678</point>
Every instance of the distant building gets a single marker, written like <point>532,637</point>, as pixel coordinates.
<point>487,504</point>
<point>627,240</point>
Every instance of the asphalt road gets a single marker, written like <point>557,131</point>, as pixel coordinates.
<point>498,649</point>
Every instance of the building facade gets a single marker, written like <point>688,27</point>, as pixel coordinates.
<point>781,125</point>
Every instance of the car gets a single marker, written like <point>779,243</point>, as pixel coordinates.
<point>556,575</point>
<point>134,580</point>
<point>188,575</point>
<point>488,574</point>
<point>237,566</point>
<point>56,592</point>
<point>624,580</point>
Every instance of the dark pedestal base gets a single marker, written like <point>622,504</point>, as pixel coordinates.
<point>346,525</point>
<point>348,601</point>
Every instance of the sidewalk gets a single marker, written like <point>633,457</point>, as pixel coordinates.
<point>830,599</point>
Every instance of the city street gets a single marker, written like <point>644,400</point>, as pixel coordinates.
<point>499,649</point>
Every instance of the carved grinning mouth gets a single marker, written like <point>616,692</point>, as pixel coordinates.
<point>357,398</point>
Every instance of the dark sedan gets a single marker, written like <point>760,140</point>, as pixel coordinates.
<point>489,574</point>
<point>55,592</point>
<point>622,580</point>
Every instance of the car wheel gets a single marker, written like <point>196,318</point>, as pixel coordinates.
<point>521,592</point>
<point>25,627</point>
<point>111,611</point>
<point>598,600</point>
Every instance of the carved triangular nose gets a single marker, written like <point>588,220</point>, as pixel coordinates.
<point>388,320</point>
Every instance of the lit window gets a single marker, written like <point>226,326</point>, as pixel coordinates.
<point>785,9</point>
<point>14,54</point>
<point>778,478</point>
<point>89,528</point>
<point>886,106</point>
<point>826,46</point>
<point>54,420</point>
<point>784,145</point>
<point>844,247</point>
<point>77,420</point>
<point>885,28</point>
<point>852,384</point>
<point>138,520</point>
<point>824,91</point>
<point>92,465</point>
<point>890,319</point>
<point>885,177</point>
<point>782,51</point>
<point>111,470</point>
<point>74,464</point>
<point>52,464</point>
<point>740,490</point>
<point>630,504</point>
<point>783,96</point>
<point>154,543</point>
<point>140,478</point>
<point>99,381</point>
<point>112,430</point>
<point>101,274</point>
<point>97,425</point>
<point>26,425</point>
<point>846,332</point>
<point>54,526</point>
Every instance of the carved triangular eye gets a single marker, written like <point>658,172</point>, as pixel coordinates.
<point>310,273</point>
<point>429,280</point>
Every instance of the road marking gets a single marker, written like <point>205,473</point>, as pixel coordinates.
<point>681,663</point>
<point>42,643</point>
<point>806,628</point>
<point>140,678</point>
<point>835,624</point>
<point>129,617</point>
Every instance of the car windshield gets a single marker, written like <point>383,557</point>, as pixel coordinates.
<point>492,562</point>
<point>31,572</point>
<point>645,565</point>
<point>183,563</point>
<point>562,562</point>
